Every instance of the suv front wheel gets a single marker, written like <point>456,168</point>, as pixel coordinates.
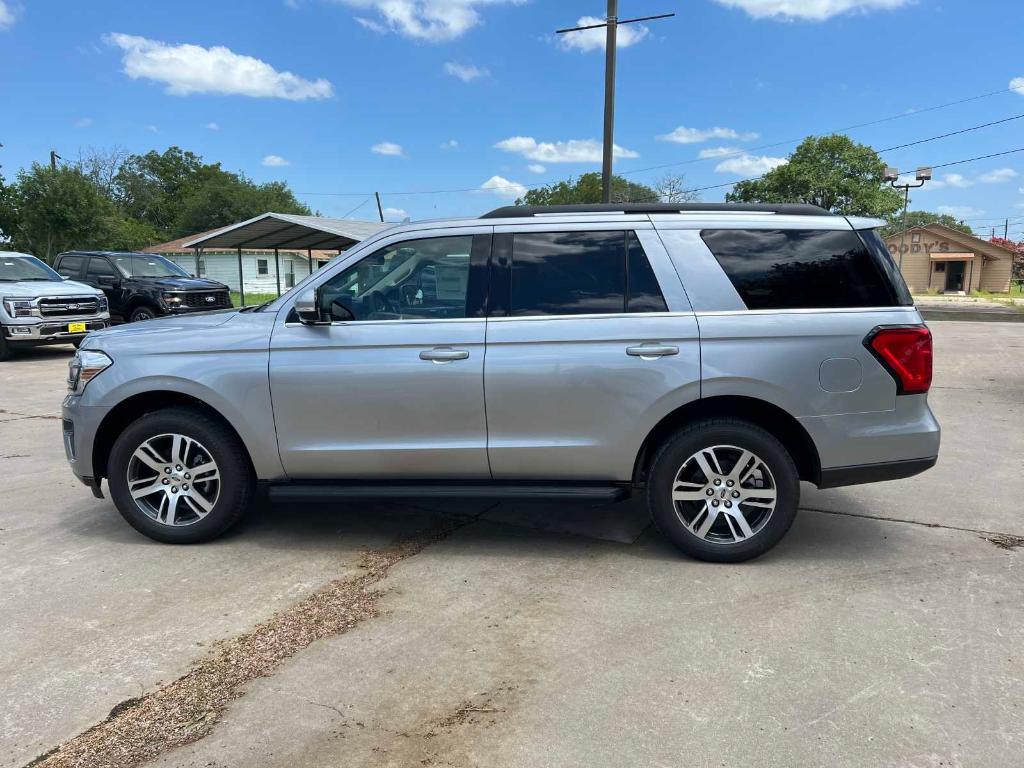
<point>180,477</point>
<point>723,490</point>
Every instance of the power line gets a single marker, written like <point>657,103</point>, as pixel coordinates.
<point>943,165</point>
<point>738,153</point>
<point>747,150</point>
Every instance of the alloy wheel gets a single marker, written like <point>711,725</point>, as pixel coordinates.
<point>173,480</point>
<point>724,494</point>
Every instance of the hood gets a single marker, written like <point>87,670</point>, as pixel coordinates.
<point>182,283</point>
<point>30,289</point>
<point>163,326</point>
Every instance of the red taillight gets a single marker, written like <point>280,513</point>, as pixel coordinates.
<point>906,352</point>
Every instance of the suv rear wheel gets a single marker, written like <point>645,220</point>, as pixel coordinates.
<point>723,490</point>
<point>180,477</point>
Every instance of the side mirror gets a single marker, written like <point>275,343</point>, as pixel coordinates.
<point>108,281</point>
<point>307,307</point>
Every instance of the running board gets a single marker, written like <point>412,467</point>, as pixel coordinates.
<point>305,491</point>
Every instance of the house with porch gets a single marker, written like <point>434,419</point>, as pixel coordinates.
<point>934,258</point>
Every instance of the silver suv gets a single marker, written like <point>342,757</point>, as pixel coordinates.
<point>707,356</point>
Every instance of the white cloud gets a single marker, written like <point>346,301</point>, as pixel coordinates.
<point>706,154</point>
<point>431,20</point>
<point>813,10</point>
<point>536,168</point>
<point>188,69</point>
<point>597,39</point>
<point>153,128</point>
<point>960,211</point>
<point>684,135</point>
<point>450,144</point>
<point>998,176</point>
<point>275,161</point>
<point>502,187</point>
<point>956,181</point>
<point>395,214</point>
<point>467,73</point>
<point>83,122</point>
<point>750,165</point>
<point>6,15</point>
<point>1017,84</point>
<point>572,151</point>
<point>388,148</point>
<point>213,126</point>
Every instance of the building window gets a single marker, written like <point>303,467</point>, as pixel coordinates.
<point>916,237</point>
<point>940,266</point>
<point>262,267</point>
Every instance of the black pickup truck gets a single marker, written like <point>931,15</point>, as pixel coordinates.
<point>141,286</point>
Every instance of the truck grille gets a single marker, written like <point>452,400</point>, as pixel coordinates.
<point>207,299</point>
<point>68,306</point>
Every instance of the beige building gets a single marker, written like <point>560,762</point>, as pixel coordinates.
<point>939,259</point>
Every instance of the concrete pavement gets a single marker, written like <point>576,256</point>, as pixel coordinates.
<point>542,634</point>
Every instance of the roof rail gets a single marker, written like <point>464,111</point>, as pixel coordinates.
<point>523,211</point>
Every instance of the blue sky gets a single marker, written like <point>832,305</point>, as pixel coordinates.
<point>353,96</point>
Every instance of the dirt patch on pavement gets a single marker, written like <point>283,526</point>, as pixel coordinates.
<point>1005,541</point>
<point>186,710</point>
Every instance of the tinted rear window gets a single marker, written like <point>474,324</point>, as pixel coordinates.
<point>568,273</point>
<point>801,269</point>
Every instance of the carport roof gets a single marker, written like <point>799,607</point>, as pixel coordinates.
<point>285,230</point>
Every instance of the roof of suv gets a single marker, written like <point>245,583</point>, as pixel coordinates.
<point>788,209</point>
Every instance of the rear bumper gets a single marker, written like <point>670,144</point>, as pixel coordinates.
<point>836,477</point>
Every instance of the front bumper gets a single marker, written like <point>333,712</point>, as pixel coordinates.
<point>51,331</point>
<point>79,426</point>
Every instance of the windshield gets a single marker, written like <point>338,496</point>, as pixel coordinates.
<point>17,268</point>
<point>147,265</point>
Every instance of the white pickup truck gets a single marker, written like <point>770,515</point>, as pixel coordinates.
<point>41,307</point>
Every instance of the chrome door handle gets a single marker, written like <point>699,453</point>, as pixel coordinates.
<point>444,354</point>
<point>651,351</point>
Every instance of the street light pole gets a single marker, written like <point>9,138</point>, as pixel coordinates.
<point>611,25</point>
<point>892,175</point>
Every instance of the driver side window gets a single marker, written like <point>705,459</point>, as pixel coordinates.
<point>412,280</point>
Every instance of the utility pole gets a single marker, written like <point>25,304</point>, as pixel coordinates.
<point>892,175</point>
<point>54,157</point>
<point>380,210</point>
<point>1006,230</point>
<point>611,25</point>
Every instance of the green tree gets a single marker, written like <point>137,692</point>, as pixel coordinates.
<point>920,219</point>
<point>587,189</point>
<point>829,171</point>
<point>49,211</point>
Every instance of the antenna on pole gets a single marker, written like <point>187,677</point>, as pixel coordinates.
<point>611,24</point>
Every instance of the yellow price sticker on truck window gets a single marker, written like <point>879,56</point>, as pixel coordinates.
<point>76,327</point>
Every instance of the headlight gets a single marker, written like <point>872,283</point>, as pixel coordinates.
<point>85,366</point>
<point>102,305</point>
<point>171,298</point>
<point>18,307</point>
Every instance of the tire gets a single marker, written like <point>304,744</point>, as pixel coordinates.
<point>747,529</point>
<point>5,349</point>
<point>142,313</point>
<point>202,509</point>
<point>77,343</point>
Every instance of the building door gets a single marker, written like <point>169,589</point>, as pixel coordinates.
<point>955,276</point>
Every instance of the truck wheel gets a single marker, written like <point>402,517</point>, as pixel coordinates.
<point>723,490</point>
<point>180,477</point>
<point>5,348</point>
<point>141,313</point>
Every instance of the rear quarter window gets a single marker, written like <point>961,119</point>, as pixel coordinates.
<point>801,269</point>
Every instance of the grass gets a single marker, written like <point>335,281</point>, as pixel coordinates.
<point>251,299</point>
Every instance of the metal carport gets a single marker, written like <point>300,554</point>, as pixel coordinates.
<point>273,231</point>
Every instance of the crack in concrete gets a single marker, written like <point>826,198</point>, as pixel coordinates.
<point>187,709</point>
<point>1003,540</point>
